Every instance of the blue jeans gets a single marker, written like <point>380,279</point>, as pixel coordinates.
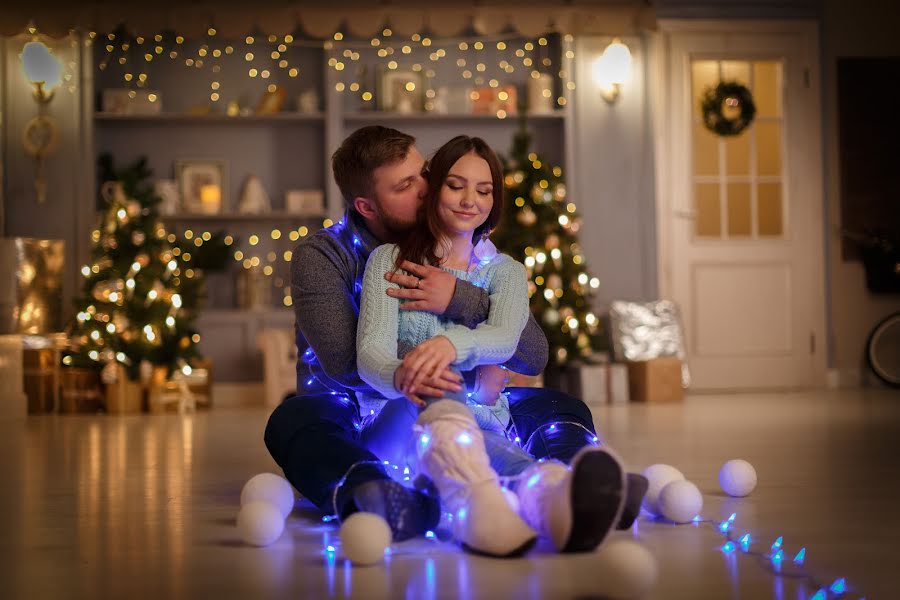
<point>315,439</point>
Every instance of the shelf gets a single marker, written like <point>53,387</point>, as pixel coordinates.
<point>238,314</point>
<point>404,117</point>
<point>235,218</point>
<point>177,118</point>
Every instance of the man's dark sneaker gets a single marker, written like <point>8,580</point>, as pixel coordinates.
<point>635,490</point>
<point>409,513</point>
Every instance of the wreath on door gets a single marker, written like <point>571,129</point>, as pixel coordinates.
<point>727,108</point>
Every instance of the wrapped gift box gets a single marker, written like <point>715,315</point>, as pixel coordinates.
<point>656,380</point>
<point>599,383</point>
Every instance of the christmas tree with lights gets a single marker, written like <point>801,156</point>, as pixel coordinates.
<point>139,299</point>
<point>540,228</point>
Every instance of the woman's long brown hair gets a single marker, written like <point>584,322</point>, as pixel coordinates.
<point>420,245</point>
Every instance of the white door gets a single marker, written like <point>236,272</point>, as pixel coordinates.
<point>743,215</point>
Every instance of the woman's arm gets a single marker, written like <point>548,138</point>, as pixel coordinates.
<point>378,327</point>
<point>494,341</point>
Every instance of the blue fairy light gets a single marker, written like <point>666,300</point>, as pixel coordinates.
<point>801,556</point>
<point>355,241</point>
<point>728,547</point>
<point>329,518</point>
<point>429,535</point>
<point>330,549</point>
<point>464,439</point>
<point>732,517</point>
<point>553,427</point>
<point>406,470</point>
<point>745,541</point>
<point>778,557</point>
<point>724,526</point>
<point>839,586</point>
<point>697,520</point>
<point>424,439</point>
<point>518,440</point>
<point>595,439</point>
<point>820,595</point>
<point>778,543</point>
<point>309,381</point>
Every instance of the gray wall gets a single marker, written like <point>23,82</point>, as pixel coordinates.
<point>68,212</point>
<point>615,184</point>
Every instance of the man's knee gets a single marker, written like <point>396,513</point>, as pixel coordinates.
<point>299,413</point>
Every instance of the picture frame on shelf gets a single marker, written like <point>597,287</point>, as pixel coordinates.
<point>488,100</point>
<point>271,102</point>
<point>400,90</point>
<point>202,184</point>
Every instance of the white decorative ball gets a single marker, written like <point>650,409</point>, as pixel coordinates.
<point>658,476</point>
<point>364,538</point>
<point>626,569</point>
<point>270,488</point>
<point>680,501</point>
<point>260,523</point>
<point>737,478</point>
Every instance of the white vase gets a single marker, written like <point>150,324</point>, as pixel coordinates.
<point>254,199</point>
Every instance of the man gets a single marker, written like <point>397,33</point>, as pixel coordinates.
<point>316,435</point>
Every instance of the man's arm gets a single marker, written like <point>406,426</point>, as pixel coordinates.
<point>326,313</point>
<point>436,291</point>
<point>470,305</point>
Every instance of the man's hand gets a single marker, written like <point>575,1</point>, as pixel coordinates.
<point>491,380</point>
<point>431,386</point>
<point>427,288</point>
<point>427,367</point>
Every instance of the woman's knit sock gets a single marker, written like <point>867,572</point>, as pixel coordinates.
<point>575,507</point>
<point>451,451</point>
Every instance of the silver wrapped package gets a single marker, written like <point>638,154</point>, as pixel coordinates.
<point>648,330</point>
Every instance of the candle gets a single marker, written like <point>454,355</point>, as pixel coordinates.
<point>210,199</point>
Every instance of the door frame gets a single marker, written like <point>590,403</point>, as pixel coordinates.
<point>663,72</point>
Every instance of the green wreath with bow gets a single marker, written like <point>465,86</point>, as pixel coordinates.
<point>727,108</point>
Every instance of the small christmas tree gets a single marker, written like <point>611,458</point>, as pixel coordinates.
<point>539,228</point>
<point>136,304</point>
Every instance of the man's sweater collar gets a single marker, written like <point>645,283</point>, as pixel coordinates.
<point>358,234</point>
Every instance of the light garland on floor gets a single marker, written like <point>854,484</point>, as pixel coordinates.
<point>774,558</point>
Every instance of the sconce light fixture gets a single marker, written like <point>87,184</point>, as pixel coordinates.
<point>41,135</point>
<point>612,69</point>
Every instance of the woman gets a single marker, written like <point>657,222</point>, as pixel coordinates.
<point>463,205</point>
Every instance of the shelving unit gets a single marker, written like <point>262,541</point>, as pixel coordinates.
<point>286,150</point>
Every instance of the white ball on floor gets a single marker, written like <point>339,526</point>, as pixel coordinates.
<point>626,569</point>
<point>260,523</point>
<point>658,476</point>
<point>737,478</point>
<point>270,488</point>
<point>680,501</point>
<point>364,538</point>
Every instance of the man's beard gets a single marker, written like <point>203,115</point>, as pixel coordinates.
<point>395,228</point>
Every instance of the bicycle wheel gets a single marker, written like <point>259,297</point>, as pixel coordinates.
<point>883,350</point>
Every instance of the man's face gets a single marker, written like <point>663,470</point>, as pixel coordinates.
<point>399,189</point>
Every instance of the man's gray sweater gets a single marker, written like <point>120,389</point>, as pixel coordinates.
<point>326,283</point>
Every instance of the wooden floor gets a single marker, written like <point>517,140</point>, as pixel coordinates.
<point>144,507</point>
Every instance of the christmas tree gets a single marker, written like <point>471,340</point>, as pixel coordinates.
<point>539,228</point>
<point>138,300</point>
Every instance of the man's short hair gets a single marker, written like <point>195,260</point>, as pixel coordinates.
<point>361,153</point>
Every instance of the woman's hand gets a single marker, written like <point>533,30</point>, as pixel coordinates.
<point>490,381</point>
<point>426,370</point>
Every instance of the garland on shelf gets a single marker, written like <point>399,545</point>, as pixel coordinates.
<point>727,108</point>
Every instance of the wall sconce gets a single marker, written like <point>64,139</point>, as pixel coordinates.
<point>612,69</point>
<point>41,135</point>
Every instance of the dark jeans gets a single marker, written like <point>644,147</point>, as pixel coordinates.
<point>316,439</point>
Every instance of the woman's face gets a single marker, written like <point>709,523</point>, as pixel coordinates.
<point>467,195</point>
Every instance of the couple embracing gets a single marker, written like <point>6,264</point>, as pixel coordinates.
<point>408,321</point>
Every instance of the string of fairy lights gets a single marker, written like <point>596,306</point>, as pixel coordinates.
<point>481,61</point>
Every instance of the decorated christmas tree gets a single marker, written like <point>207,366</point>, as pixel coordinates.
<point>139,299</point>
<point>540,228</point>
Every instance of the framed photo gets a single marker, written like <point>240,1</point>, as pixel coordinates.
<point>401,90</point>
<point>202,184</point>
<point>271,102</point>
